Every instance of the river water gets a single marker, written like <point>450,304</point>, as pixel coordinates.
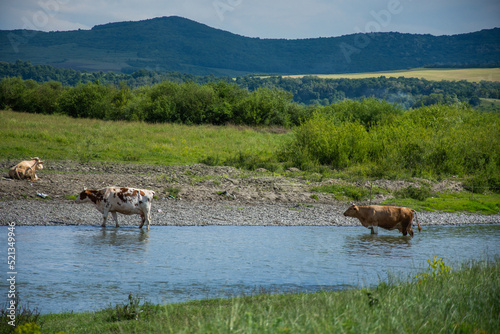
<point>87,268</point>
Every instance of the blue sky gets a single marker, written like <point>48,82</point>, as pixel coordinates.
<point>289,19</point>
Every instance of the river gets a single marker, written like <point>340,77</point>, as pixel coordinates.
<point>87,268</point>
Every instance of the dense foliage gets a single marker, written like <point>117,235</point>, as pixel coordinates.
<point>187,103</point>
<point>408,92</point>
<point>376,139</point>
<point>69,77</point>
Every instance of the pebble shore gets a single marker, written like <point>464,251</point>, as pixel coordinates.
<point>185,213</point>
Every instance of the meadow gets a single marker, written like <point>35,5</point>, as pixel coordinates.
<point>56,137</point>
<point>435,74</point>
<point>436,301</point>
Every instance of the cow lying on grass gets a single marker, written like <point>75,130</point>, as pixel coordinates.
<point>388,217</point>
<point>128,201</point>
<point>26,169</point>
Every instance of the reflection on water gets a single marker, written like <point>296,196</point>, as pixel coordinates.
<point>123,240</point>
<point>377,245</point>
<point>78,268</point>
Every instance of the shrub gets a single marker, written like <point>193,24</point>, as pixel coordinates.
<point>418,193</point>
<point>437,269</point>
<point>336,146</point>
<point>426,142</point>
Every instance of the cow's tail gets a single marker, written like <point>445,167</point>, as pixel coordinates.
<point>416,219</point>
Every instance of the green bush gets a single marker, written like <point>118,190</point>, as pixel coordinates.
<point>187,103</point>
<point>336,145</point>
<point>429,142</point>
<point>420,194</point>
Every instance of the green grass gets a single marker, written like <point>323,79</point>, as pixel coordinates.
<point>53,137</point>
<point>465,301</point>
<point>348,192</point>
<point>452,202</point>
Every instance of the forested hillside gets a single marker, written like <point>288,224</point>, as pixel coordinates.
<point>179,44</point>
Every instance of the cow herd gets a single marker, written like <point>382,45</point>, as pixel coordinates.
<point>131,201</point>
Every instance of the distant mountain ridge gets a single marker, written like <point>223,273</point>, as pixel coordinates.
<point>179,44</point>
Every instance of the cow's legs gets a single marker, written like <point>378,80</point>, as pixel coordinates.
<point>143,218</point>
<point>115,217</point>
<point>17,173</point>
<point>104,217</point>
<point>374,229</point>
<point>407,228</point>
<point>148,218</point>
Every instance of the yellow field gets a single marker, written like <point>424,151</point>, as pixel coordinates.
<point>469,74</point>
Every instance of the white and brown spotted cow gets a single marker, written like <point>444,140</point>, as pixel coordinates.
<point>387,217</point>
<point>128,201</point>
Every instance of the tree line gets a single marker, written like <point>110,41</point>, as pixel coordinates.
<point>215,103</point>
<point>408,92</point>
<point>309,90</point>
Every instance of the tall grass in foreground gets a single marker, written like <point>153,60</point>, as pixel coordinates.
<point>465,301</point>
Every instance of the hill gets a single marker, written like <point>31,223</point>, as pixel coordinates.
<point>178,44</point>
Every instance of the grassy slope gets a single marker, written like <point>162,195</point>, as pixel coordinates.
<point>467,301</point>
<point>469,74</point>
<point>24,135</point>
<point>453,202</point>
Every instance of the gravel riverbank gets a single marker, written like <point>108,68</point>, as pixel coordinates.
<point>206,196</point>
<point>183,213</point>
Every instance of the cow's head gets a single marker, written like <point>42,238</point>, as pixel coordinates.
<point>82,197</point>
<point>37,163</point>
<point>352,211</point>
<point>88,196</point>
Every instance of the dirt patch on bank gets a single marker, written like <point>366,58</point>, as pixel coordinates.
<point>60,180</point>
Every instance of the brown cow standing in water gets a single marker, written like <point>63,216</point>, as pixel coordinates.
<point>388,217</point>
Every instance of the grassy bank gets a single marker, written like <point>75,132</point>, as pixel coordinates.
<point>346,154</point>
<point>465,301</point>
<point>452,202</point>
<point>54,137</point>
